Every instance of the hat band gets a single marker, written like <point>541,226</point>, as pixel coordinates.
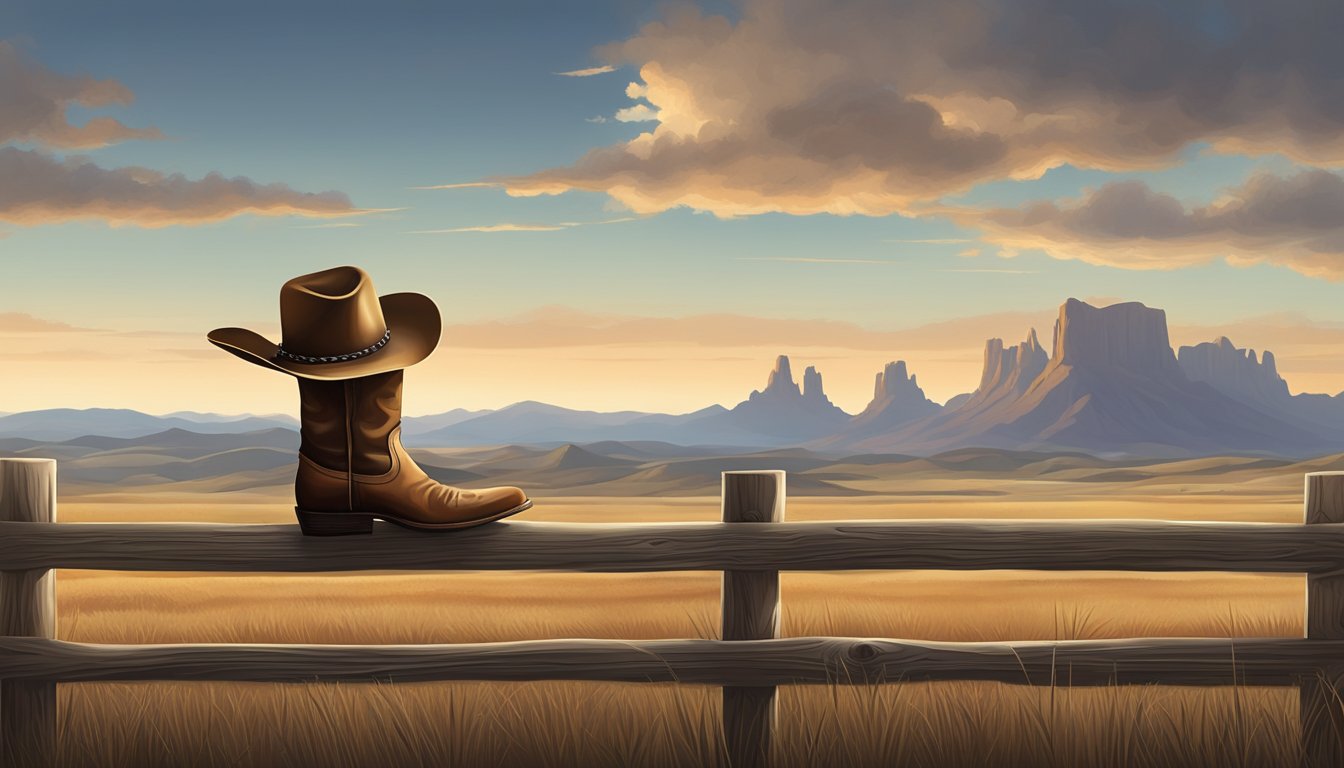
<point>280,351</point>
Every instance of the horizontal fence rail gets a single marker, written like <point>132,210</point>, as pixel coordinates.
<point>786,661</point>
<point>606,548</point>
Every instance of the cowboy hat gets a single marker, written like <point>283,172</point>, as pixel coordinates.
<point>333,326</point>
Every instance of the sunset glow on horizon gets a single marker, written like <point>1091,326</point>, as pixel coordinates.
<point>624,207</point>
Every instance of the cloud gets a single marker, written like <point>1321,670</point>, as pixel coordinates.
<point>20,322</point>
<point>191,353</point>
<point>1294,221</point>
<point>947,355</point>
<point>589,72</point>
<point>58,355</point>
<point>822,260</point>
<point>508,227</point>
<point>595,119</point>
<point>463,185</point>
<point>874,108</point>
<point>36,188</point>
<point>39,188</point>
<point>497,228</point>
<point>640,113</point>
<point>561,326</point>
<point>34,103</point>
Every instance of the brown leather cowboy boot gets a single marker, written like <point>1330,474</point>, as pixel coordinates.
<point>353,468</point>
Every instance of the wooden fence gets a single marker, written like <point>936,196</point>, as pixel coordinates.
<point>750,546</point>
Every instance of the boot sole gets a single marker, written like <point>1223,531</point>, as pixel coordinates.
<point>355,523</point>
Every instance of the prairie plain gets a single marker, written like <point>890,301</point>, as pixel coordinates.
<point>588,724</point>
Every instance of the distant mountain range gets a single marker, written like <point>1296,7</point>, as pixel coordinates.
<point>67,423</point>
<point>1110,386</point>
<point>177,462</point>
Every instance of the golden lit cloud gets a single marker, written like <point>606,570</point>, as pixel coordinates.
<point>590,360</point>
<point>510,227</point>
<point>589,72</point>
<point>19,322</point>
<point>559,326</point>
<point>640,113</point>
<point>877,108</point>
<point>463,185</point>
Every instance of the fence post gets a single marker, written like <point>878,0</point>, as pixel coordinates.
<point>28,609</point>
<point>750,603</point>
<point>1321,706</point>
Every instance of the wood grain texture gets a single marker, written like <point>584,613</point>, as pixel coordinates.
<point>750,717</point>
<point>785,661</point>
<point>751,611</point>
<point>1324,505</point>
<point>750,600</point>
<point>27,609</point>
<point>1322,708</point>
<point>28,490</point>
<point>900,544</point>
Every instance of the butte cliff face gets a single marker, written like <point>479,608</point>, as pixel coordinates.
<point>1234,372</point>
<point>1111,385</point>
<point>1008,371</point>
<point>783,411</point>
<point>896,393</point>
<point>897,401</point>
<point>1126,336</point>
<point>1238,374</point>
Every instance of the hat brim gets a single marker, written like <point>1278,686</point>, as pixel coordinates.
<point>412,317</point>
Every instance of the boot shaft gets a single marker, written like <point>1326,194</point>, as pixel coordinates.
<point>345,425</point>
<point>352,466</point>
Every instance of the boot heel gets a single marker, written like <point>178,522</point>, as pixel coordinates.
<point>333,523</point>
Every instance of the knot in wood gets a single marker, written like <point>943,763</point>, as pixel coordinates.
<point>863,651</point>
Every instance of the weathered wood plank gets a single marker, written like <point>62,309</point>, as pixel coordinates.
<point>903,544</point>
<point>27,609</point>
<point>750,611</point>
<point>786,661</point>
<point>1322,709</point>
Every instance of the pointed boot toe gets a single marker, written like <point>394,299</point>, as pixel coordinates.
<point>503,500</point>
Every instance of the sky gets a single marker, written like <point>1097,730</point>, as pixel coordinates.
<point>620,205</point>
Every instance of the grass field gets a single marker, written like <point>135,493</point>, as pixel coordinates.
<point>584,724</point>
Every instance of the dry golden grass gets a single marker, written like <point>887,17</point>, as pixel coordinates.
<point>589,724</point>
<point>486,606</point>
<point>585,724</point>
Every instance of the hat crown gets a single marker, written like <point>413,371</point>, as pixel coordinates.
<point>332,312</point>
